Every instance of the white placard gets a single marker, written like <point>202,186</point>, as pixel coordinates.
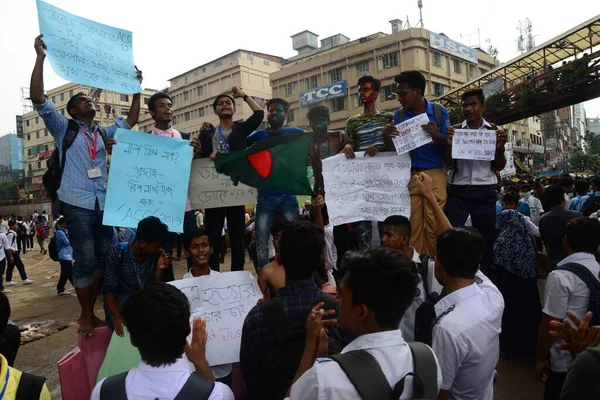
<point>509,169</point>
<point>223,300</point>
<point>474,144</point>
<point>412,135</point>
<point>209,189</point>
<point>366,188</point>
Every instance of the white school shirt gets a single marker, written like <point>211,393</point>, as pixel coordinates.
<point>219,371</point>
<point>473,172</point>
<point>565,291</point>
<point>536,208</point>
<point>531,227</point>
<point>149,383</point>
<point>3,246</point>
<point>327,380</point>
<point>407,324</point>
<point>466,340</point>
<point>4,227</point>
<point>12,240</point>
<point>330,251</point>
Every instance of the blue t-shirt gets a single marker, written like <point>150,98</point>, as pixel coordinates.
<point>430,155</point>
<point>263,134</point>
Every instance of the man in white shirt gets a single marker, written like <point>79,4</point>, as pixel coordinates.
<point>378,286</point>
<point>535,205</point>
<point>396,234</point>
<point>4,255</point>
<point>469,318</point>
<point>471,183</point>
<point>3,225</point>
<point>565,290</point>
<point>14,255</point>
<point>157,318</point>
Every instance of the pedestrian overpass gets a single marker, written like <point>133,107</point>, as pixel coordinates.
<point>559,73</point>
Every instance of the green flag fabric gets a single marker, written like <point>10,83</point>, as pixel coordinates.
<point>278,163</point>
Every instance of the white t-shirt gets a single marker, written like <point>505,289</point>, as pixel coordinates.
<point>565,291</point>
<point>466,340</point>
<point>4,227</point>
<point>3,246</point>
<point>219,371</point>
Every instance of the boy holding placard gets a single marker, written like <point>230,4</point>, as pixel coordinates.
<point>471,183</point>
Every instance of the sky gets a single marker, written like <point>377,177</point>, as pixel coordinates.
<point>174,36</point>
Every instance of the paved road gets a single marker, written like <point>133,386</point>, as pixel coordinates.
<point>37,305</point>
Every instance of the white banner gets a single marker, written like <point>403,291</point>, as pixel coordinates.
<point>366,188</point>
<point>412,135</point>
<point>223,301</point>
<point>474,144</point>
<point>209,189</point>
<point>510,169</point>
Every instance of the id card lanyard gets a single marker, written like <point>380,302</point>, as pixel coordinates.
<point>91,151</point>
<point>223,139</point>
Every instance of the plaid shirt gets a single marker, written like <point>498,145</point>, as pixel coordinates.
<point>258,338</point>
<point>76,188</point>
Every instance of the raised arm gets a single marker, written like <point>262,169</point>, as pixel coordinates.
<point>254,121</point>
<point>134,111</point>
<point>426,190</point>
<point>36,86</point>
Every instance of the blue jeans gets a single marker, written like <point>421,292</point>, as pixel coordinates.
<point>267,207</point>
<point>90,241</point>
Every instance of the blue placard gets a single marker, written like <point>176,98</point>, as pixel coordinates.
<point>336,89</point>
<point>149,176</point>
<point>442,43</point>
<point>86,52</point>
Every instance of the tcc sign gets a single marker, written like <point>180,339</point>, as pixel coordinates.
<point>326,92</point>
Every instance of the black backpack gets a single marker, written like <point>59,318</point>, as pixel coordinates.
<point>591,206</point>
<point>56,163</point>
<point>195,388</point>
<point>425,314</point>
<point>53,249</point>
<point>30,387</point>
<point>592,283</point>
<point>364,372</point>
<point>283,359</point>
<point>21,229</point>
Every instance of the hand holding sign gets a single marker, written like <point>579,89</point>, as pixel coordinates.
<point>412,135</point>
<point>474,144</point>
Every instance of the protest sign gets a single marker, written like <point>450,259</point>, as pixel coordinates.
<point>366,188</point>
<point>509,169</point>
<point>411,135</point>
<point>149,176</point>
<point>210,189</point>
<point>223,301</point>
<point>87,52</point>
<point>474,144</point>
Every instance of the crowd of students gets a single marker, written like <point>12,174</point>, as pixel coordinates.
<point>425,305</point>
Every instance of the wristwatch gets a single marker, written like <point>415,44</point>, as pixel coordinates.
<point>245,97</point>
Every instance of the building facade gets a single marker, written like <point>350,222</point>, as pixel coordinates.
<point>11,158</point>
<point>194,91</point>
<point>38,143</point>
<point>528,143</point>
<point>329,74</point>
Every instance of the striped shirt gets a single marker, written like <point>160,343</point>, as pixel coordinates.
<point>76,188</point>
<point>366,130</point>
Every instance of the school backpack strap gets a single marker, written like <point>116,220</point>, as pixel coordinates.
<point>30,387</point>
<point>425,379</point>
<point>195,388</point>
<point>113,388</point>
<point>364,372</point>
<point>592,283</point>
<point>438,114</point>
<point>424,271</point>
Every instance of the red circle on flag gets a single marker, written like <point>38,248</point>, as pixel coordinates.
<point>262,162</point>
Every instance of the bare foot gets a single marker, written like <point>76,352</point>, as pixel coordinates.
<point>86,327</point>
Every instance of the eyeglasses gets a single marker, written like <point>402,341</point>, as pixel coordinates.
<point>403,94</point>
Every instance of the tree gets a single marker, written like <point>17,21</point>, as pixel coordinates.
<point>491,50</point>
<point>588,161</point>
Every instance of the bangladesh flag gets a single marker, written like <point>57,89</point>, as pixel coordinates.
<point>278,163</point>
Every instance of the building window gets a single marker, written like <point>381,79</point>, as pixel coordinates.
<point>146,100</point>
<point>438,89</point>
<point>266,62</point>
<point>186,95</point>
<point>37,135</point>
<point>259,101</point>
<point>45,132</point>
<point>290,89</point>
<point>335,75</point>
<point>29,166</point>
<point>438,61</point>
<point>54,99</point>
<point>186,116</point>
<point>203,69</point>
<point>337,104</point>
<point>124,97</point>
<point>27,122</point>
<point>62,97</point>
<point>472,71</point>
<point>387,92</point>
<point>362,68</point>
<point>356,100</point>
<point>39,165</point>
<point>291,117</point>
<point>37,120</point>
<point>62,112</point>
<point>250,57</point>
<point>389,60</point>
<point>218,63</point>
<point>28,136</point>
<point>200,91</point>
<point>201,111</point>
<point>174,120</point>
<point>311,82</point>
<point>457,66</point>
<point>124,112</point>
<point>70,93</point>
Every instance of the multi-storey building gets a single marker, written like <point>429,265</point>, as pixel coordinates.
<point>330,73</point>
<point>38,143</point>
<point>11,158</point>
<point>194,91</point>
